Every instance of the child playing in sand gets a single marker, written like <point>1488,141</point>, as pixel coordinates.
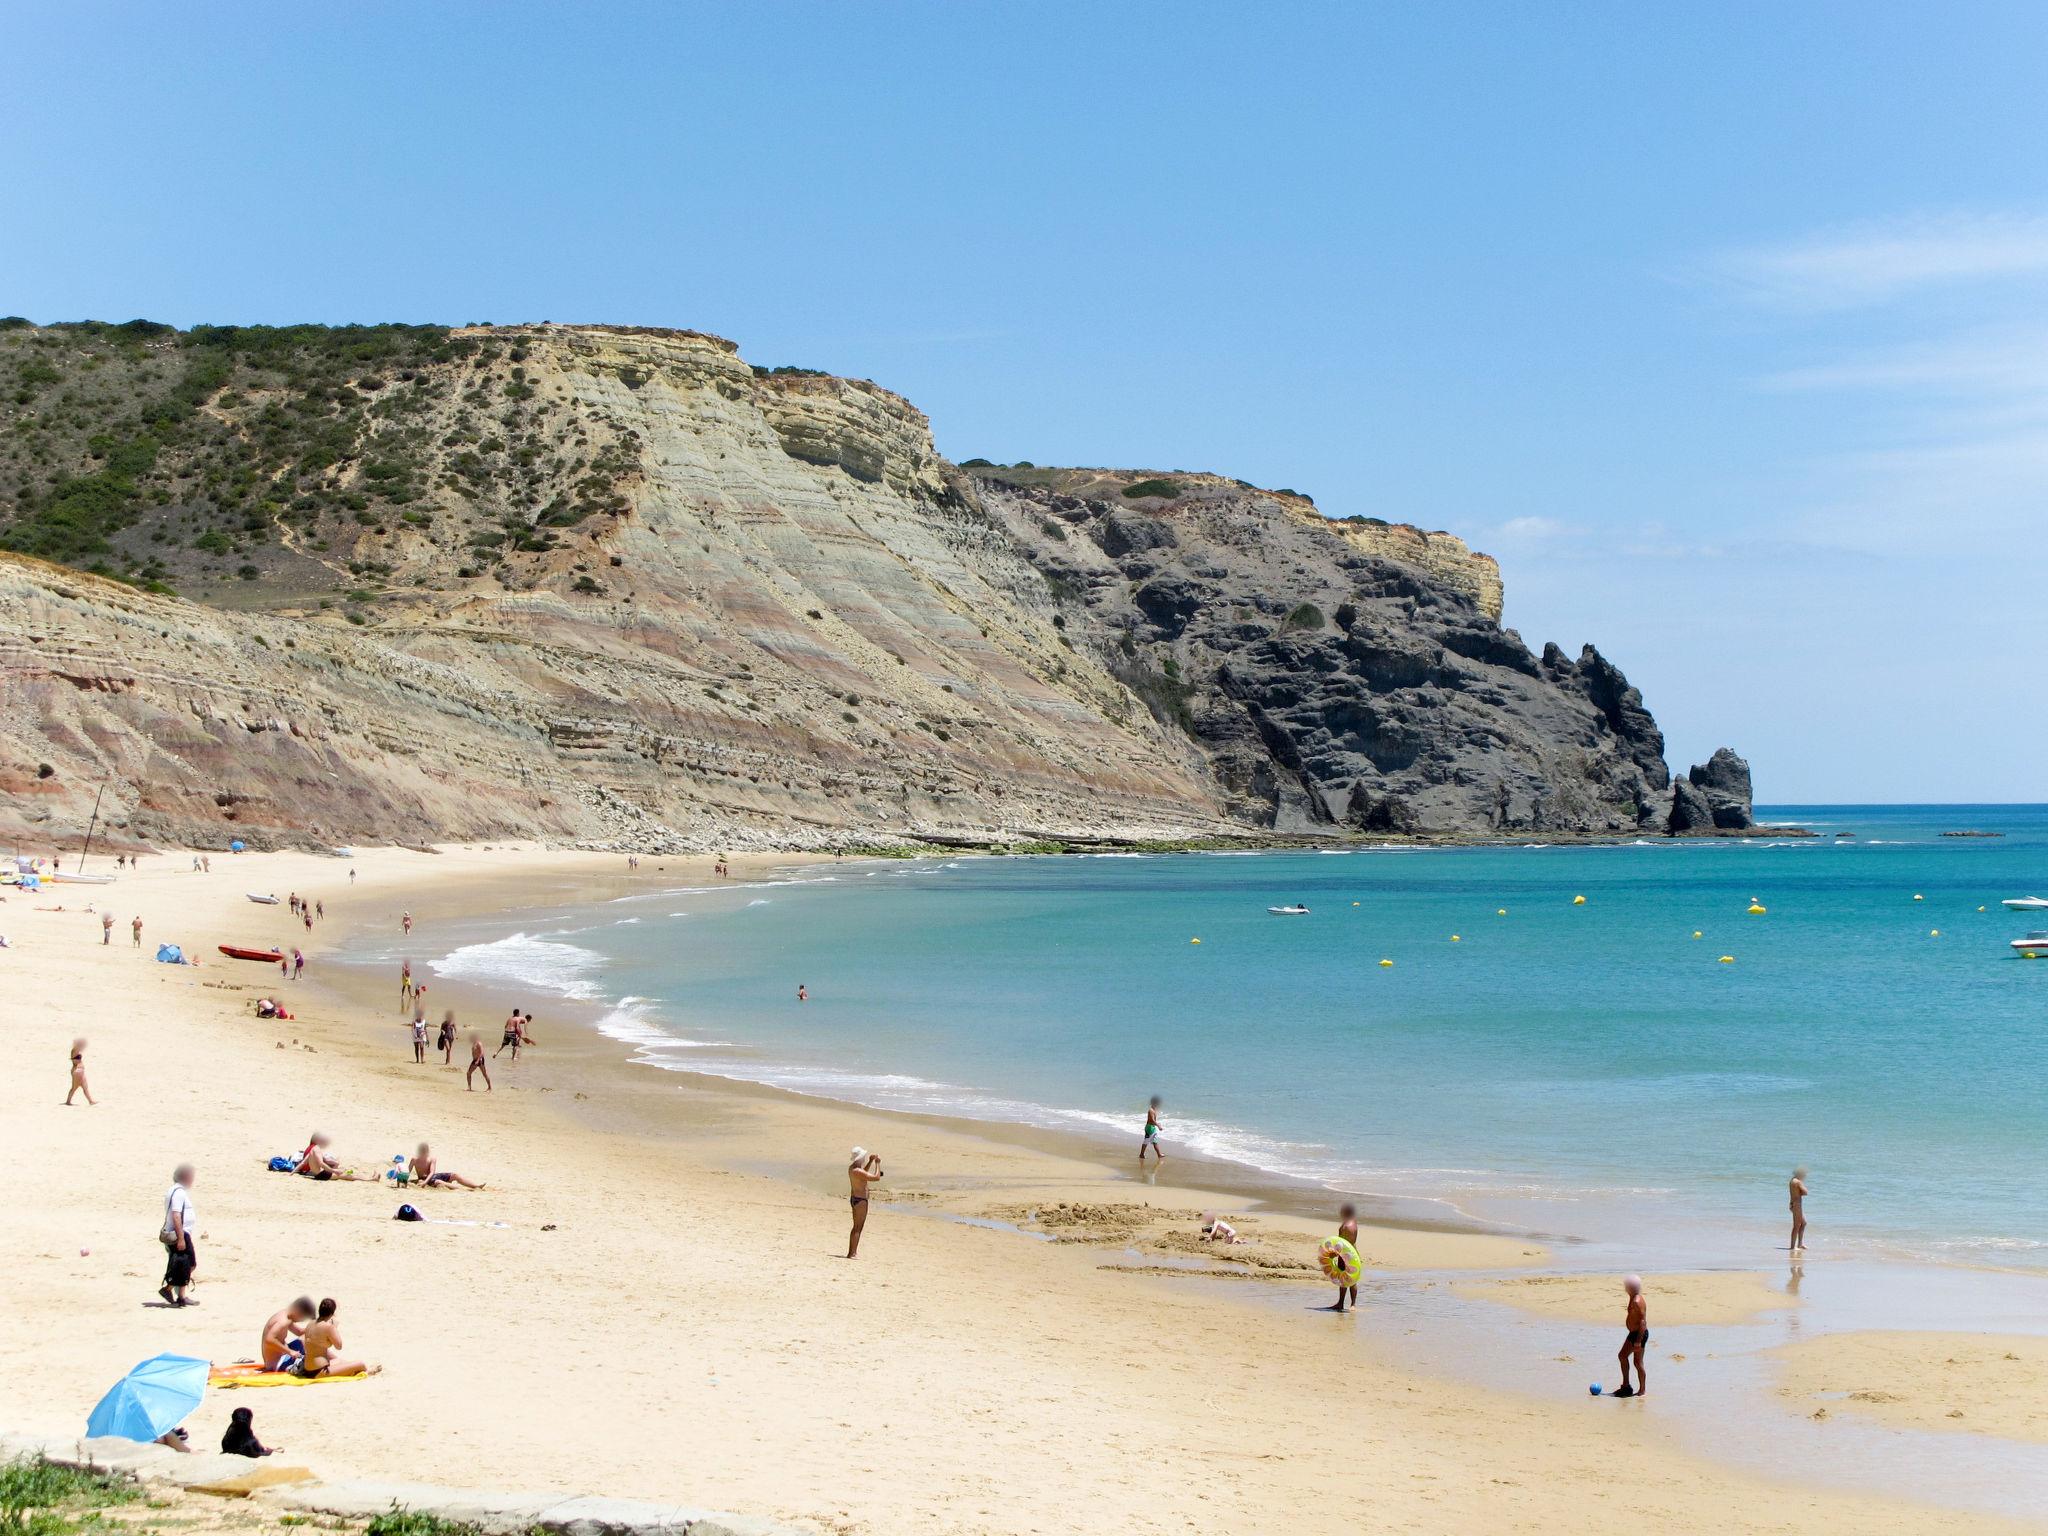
<point>862,1171</point>
<point>1216,1230</point>
<point>1151,1141</point>
<point>1638,1324</point>
<point>1798,1192</point>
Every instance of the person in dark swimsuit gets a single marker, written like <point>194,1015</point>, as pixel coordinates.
<point>1632,1347</point>
<point>446,1043</point>
<point>78,1074</point>
<point>861,1173</point>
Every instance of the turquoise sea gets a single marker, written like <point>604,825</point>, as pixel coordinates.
<point>1581,1069</point>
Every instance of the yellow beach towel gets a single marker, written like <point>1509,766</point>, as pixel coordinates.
<point>252,1376</point>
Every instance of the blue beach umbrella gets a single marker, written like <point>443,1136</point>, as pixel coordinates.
<point>150,1400</point>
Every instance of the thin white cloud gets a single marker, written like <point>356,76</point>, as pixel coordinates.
<point>1992,364</point>
<point>1860,265</point>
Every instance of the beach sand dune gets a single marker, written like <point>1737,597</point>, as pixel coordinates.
<point>664,1311</point>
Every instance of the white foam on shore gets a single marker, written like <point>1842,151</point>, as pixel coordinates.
<point>567,970</point>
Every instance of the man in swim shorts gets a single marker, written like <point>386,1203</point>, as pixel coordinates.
<point>1632,1347</point>
<point>1798,1195</point>
<point>429,1173</point>
<point>1151,1141</point>
<point>861,1173</point>
<point>281,1334</point>
<point>477,1064</point>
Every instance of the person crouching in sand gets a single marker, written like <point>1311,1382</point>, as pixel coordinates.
<point>477,1063</point>
<point>1632,1347</point>
<point>1798,1195</point>
<point>281,1333</point>
<point>429,1173</point>
<point>323,1350</point>
<point>861,1172</point>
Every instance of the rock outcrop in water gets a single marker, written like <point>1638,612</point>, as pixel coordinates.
<point>607,584</point>
<point>1713,796</point>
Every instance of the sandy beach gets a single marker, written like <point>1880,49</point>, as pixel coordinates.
<point>649,1299</point>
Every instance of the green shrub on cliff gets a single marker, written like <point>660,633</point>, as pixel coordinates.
<point>1155,487</point>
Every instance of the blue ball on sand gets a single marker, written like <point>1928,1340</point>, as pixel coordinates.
<point>1594,1389</point>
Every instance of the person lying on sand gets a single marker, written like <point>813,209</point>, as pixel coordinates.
<point>427,1172</point>
<point>1638,1324</point>
<point>281,1333</point>
<point>323,1350</point>
<point>862,1171</point>
<point>314,1162</point>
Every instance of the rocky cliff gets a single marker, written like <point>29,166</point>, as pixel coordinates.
<point>608,584</point>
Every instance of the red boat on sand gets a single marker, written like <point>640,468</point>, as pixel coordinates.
<point>267,956</point>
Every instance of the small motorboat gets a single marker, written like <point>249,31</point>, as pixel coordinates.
<point>1294,911</point>
<point>2032,947</point>
<point>262,901</point>
<point>267,956</point>
<point>2026,904</point>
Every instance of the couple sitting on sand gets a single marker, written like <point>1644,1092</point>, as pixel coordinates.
<point>302,1340</point>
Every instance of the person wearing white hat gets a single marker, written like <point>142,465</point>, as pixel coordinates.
<point>861,1171</point>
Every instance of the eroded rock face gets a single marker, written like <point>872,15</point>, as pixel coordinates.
<point>770,613</point>
<point>1722,782</point>
<point>1329,683</point>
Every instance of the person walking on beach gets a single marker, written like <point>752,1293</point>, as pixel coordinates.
<point>1798,1194</point>
<point>135,928</point>
<point>320,910</point>
<point>446,1043</point>
<point>405,919</point>
<point>1151,1141</point>
<point>861,1172</point>
<point>181,1258</point>
<point>1347,1228</point>
<point>1632,1347</point>
<point>405,986</point>
<point>477,1063</point>
<point>419,1038</point>
<point>514,1029</point>
<point>78,1075</point>
<point>351,877</point>
<point>298,963</point>
<point>106,928</point>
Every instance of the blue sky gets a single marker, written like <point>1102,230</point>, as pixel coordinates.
<point>1722,326</point>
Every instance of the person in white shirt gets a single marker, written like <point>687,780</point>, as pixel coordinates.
<point>182,1257</point>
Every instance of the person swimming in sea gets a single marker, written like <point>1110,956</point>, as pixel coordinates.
<point>1638,1324</point>
<point>1798,1196</point>
<point>1151,1141</point>
<point>861,1173</point>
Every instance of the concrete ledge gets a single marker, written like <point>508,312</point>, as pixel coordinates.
<point>499,1513</point>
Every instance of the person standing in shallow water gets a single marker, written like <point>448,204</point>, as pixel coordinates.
<point>861,1173</point>
<point>1151,1141</point>
<point>1798,1197</point>
<point>1632,1347</point>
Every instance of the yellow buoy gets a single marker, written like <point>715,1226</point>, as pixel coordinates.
<point>1503,912</point>
<point>1386,962</point>
<point>1758,908</point>
<point>1354,903</point>
<point>1980,909</point>
<point>1727,959</point>
<point>1697,934</point>
<point>1934,933</point>
<point>1194,941</point>
<point>1454,938</point>
<point>1578,901</point>
<point>1918,897</point>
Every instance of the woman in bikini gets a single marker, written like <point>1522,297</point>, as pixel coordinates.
<point>323,1349</point>
<point>861,1172</point>
<point>446,1043</point>
<point>78,1074</point>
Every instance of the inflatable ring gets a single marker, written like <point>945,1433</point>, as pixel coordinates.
<point>1340,1261</point>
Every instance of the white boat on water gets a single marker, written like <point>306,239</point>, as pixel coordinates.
<point>1296,911</point>
<point>262,901</point>
<point>2033,946</point>
<point>2027,904</point>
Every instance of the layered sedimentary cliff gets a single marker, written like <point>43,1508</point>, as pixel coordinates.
<point>610,584</point>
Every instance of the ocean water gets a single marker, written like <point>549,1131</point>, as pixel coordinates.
<point>1573,1068</point>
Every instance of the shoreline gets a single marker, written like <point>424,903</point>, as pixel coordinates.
<point>646,1289</point>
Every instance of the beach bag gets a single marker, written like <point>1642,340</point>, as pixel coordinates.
<point>280,1165</point>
